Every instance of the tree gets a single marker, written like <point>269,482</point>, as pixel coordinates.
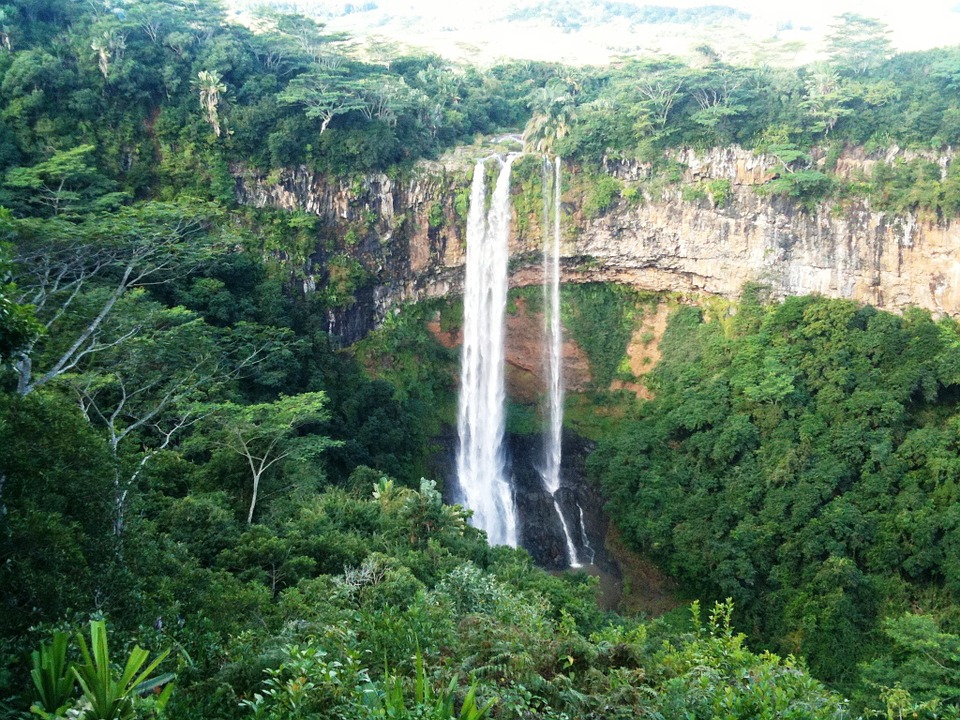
<point>75,275</point>
<point>66,182</point>
<point>553,116</point>
<point>660,90</point>
<point>265,434</point>
<point>826,99</point>
<point>210,87</point>
<point>716,94</point>
<point>18,325</point>
<point>924,661</point>
<point>324,93</point>
<point>857,44</point>
<point>290,40</point>
<point>108,46</point>
<point>383,96</point>
<point>147,391</point>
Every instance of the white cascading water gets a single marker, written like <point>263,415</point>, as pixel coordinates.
<point>481,466</point>
<point>586,541</point>
<point>550,471</point>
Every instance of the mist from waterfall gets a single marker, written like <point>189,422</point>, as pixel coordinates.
<point>553,333</point>
<point>481,465</point>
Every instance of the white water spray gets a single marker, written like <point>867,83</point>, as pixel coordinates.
<point>553,453</point>
<point>481,468</point>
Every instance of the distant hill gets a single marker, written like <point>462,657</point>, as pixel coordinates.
<point>600,31</point>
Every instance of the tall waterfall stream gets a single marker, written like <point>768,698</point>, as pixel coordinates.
<point>481,465</point>
<point>553,346</point>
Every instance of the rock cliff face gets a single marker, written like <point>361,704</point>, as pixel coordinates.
<point>848,252</point>
<point>408,234</point>
<point>405,233</point>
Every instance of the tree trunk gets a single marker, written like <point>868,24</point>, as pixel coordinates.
<point>253,499</point>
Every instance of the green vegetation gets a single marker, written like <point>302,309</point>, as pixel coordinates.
<point>601,318</point>
<point>355,597</point>
<point>190,460</point>
<point>112,697</point>
<point>422,373</point>
<point>99,107</point>
<point>717,191</point>
<point>600,194</point>
<point>801,461</point>
<point>864,94</point>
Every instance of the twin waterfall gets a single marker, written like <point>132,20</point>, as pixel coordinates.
<point>482,474</point>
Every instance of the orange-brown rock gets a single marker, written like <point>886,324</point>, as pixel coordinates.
<point>643,350</point>
<point>525,371</point>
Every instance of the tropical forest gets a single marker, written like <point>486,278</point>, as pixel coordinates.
<point>343,381</point>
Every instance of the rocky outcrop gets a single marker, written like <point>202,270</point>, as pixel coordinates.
<point>405,233</point>
<point>408,234</point>
<point>845,251</point>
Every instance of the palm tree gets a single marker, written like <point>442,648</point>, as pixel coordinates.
<point>210,86</point>
<point>553,116</point>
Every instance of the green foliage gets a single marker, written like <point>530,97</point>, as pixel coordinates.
<point>858,44</point>
<point>921,671</point>
<point>718,191</point>
<point>801,459</point>
<point>793,461</point>
<point>427,703</point>
<point>18,324</point>
<point>62,183</point>
<point>421,370</point>
<point>600,194</point>
<point>600,318</point>
<point>523,419</point>
<point>435,217</point>
<point>57,495</point>
<point>52,676</point>
<point>111,696</point>
<point>263,434</point>
<point>307,684</point>
<point>915,186</point>
<point>712,675</point>
<point>807,186</point>
<point>345,275</point>
<point>553,113</point>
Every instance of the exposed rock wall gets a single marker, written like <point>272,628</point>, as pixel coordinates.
<point>412,242</point>
<point>384,223</point>
<point>847,251</point>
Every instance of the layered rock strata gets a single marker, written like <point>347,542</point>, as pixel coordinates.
<point>408,235</point>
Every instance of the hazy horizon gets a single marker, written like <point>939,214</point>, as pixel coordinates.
<point>778,34</point>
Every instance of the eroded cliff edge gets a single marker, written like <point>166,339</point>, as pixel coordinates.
<point>407,232</point>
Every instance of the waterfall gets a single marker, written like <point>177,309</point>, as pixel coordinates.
<point>481,466</point>
<point>583,536</point>
<point>550,470</point>
<point>553,335</point>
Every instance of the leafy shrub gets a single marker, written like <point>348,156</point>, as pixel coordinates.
<point>600,194</point>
